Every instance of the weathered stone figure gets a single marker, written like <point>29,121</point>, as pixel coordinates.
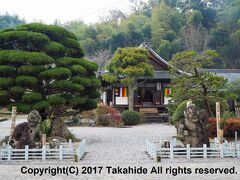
<point>27,133</point>
<point>192,129</point>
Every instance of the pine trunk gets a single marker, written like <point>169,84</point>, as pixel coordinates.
<point>59,127</point>
<point>130,97</point>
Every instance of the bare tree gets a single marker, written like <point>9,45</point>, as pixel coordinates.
<point>101,58</point>
<point>113,15</point>
<point>195,38</point>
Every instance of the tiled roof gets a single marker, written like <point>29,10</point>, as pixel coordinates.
<point>229,74</point>
<point>148,46</point>
<point>162,75</point>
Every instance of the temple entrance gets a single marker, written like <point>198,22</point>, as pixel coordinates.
<point>145,97</point>
<point>148,96</point>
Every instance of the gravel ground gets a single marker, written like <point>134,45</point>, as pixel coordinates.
<point>6,125</point>
<point>123,147</point>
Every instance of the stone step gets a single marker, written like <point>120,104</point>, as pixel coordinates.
<point>156,117</point>
<point>148,110</point>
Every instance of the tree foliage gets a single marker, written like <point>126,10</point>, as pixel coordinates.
<point>126,66</point>
<point>10,21</point>
<point>42,68</point>
<point>171,26</point>
<point>192,82</point>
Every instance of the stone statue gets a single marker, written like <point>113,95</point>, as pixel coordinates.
<point>192,129</point>
<point>27,133</point>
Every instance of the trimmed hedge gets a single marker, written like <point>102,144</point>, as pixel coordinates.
<point>56,100</point>
<point>55,33</point>
<point>94,94</point>
<point>76,101</point>
<point>82,81</point>
<point>10,57</point>
<point>7,71</point>
<point>91,66</point>
<point>38,40</point>
<point>131,117</point>
<point>67,61</point>
<point>6,82</point>
<point>17,91</point>
<point>67,85</point>
<point>95,82</point>
<point>3,95</point>
<point>54,49</point>
<point>41,105</point>
<point>56,73</point>
<point>90,104</point>
<point>31,70</point>
<point>26,81</point>
<point>32,97</point>
<point>77,69</point>
<point>25,108</point>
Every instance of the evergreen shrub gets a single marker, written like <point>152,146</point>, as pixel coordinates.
<point>130,117</point>
<point>179,112</point>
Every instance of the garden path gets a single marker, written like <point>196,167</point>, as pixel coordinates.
<point>120,145</point>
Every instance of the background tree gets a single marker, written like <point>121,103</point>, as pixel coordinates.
<point>41,68</point>
<point>233,88</point>
<point>171,26</point>
<point>195,84</point>
<point>126,66</point>
<point>101,58</point>
<point>10,21</point>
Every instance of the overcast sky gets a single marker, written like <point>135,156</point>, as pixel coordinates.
<point>63,10</point>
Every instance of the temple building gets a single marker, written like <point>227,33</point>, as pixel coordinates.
<point>152,94</point>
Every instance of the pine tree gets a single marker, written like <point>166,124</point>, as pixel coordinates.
<point>42,68</point>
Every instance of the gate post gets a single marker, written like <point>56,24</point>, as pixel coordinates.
<point>61,152</point>
<point>171,151</point>
<point>9,148</point>
<point>188,151</point>
<point>43,152</point>
<point>26,152</point>
<point>204,151</point>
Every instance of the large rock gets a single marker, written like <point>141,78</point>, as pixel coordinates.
<point>28,133</point>
<point>192,129</point>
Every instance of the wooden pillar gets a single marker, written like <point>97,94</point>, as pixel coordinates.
<point>13,119</point>
<point>113,97</point>
<point>236,138</point>
<point>44,139</point>
<point>218,118</point>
